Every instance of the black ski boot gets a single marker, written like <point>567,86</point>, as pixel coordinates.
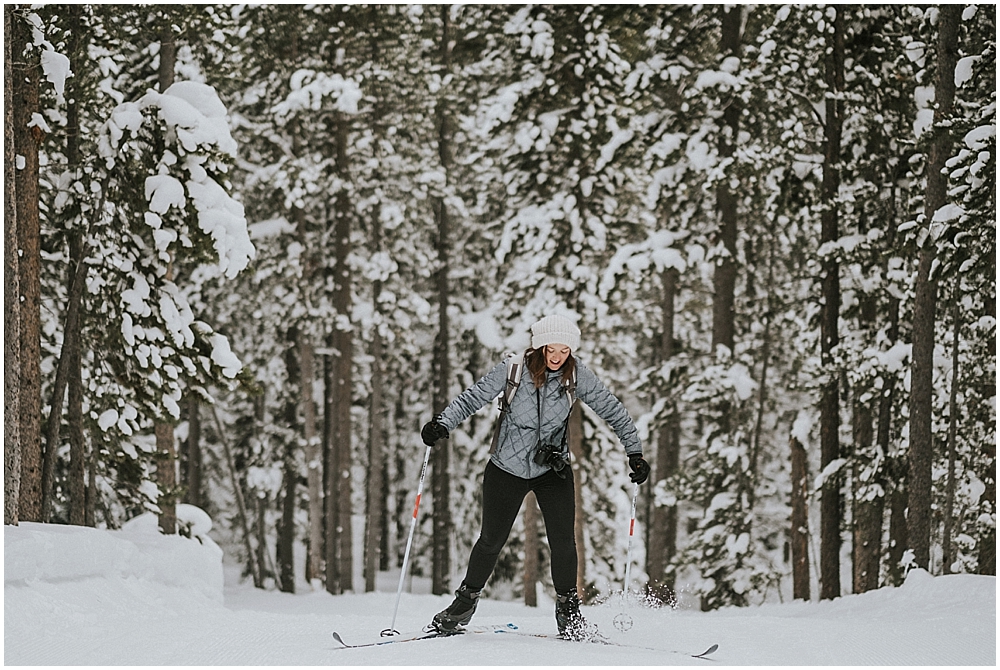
<point>459,613</point>
<point>572,625</point>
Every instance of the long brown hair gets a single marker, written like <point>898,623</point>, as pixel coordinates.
<point>535,359</point>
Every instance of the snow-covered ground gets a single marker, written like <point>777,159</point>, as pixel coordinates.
<point>79,596</point>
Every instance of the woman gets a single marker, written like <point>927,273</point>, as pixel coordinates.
<point>530,453</point>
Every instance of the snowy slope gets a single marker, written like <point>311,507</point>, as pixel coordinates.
<point>79,596</point>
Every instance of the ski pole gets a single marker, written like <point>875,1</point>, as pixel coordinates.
<point>623,621</point>
<point>391,630</point>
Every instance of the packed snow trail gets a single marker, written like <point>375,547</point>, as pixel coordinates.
<point>79,596</point>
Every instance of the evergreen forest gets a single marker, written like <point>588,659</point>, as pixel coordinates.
<point>249,250</point>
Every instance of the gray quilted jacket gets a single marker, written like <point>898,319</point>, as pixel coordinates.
<point>538,415</point>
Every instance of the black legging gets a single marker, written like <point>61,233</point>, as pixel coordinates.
<point>503,494</point>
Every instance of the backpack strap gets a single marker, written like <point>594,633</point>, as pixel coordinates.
<point>570,386</point>
<point>515,366</point>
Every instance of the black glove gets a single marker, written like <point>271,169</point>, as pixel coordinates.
<point>640,468</point>
<point>434,431</point>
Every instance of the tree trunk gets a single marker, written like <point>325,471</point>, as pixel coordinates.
<point>869,508</point>
<point>314,458</point>
<point>26,142</point>
<point>73,334</point>
<point>313,442</point>
<point>921,454</point>
<point>883,436</point>
<point>331,501</point>
<point>987,543</point>
<point>800,522</point>
<point>286,532</point>
<point>988,533</point>
<point>376,464</point>
<point>765,355</point>
<point>378,492</point>
<point>440,477</point>
<point>724,281</point>
<point>242,516</point>
<point>576,452</point>
<point>77,484</point>
<point>262,556</point>
<point>289,502</point>
<point>531,550</point>
<point>830,506</point>
<point>949,504</point>
<point>11,291</point>
<point>166,475</point>
<point>92,494</point>
<point>663,524</point>
<point>69,366</point>
<point>339,563</point>
<point>897,523</point>
<point>192,461</point>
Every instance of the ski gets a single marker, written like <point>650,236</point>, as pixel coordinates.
<point>393,640</point>
<point>512,629</point>
<point>710,650</point>
<point>596,638</point>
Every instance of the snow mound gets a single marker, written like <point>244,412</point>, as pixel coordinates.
<point>54,554</point>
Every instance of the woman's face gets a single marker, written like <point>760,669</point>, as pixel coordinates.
<point>556,355</point>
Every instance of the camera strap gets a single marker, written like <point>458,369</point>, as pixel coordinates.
<point>515,367</point>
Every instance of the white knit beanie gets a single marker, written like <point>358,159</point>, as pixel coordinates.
<point>555,329</point>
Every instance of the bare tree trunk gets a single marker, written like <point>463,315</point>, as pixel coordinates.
<point>531,549</point>
<point>26,142</point>
<point>11,291</point>
<point>800,522</point>
<point>830,506</point>
<point>663,524</point>
<point>921,454</point>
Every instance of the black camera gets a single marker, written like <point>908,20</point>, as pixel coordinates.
<point>552,455</point>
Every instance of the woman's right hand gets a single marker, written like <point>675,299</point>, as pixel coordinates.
<point>432,432</point>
